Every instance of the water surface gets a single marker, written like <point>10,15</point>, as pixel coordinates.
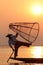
<point>24,52</point>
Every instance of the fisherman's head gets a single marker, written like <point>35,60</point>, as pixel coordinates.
<point>9,35</point>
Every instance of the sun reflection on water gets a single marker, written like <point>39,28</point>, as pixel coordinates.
<point>37,52</point>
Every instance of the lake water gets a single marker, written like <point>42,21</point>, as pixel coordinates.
<point>24,52</point>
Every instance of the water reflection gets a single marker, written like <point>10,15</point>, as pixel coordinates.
<point>37,51</point>
<point>38,64</point>
<point>31,52</point>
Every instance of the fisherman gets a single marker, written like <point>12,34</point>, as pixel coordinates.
<point>15,44</point>
<point>12,40</point>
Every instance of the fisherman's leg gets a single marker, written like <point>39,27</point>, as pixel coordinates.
<point>16,50</point>
<point>23,44</point>
<point>11,46</point>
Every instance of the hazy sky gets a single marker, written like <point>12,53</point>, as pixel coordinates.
<point>20,11</point>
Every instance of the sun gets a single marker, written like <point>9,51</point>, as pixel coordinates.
<point>37,9</point>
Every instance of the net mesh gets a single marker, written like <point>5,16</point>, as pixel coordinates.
<point>28,31</point>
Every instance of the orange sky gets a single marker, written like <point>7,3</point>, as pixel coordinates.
<point>19,11</point>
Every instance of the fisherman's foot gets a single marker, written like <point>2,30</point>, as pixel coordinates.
<point>15,56</point>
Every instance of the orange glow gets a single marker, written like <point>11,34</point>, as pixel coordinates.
<point>36,9</point>
<point>12,11</point>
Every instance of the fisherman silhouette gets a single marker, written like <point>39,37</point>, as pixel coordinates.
<point>15,44</point>
<point>12,41</point>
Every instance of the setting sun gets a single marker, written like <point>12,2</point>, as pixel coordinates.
<point>37,9</point>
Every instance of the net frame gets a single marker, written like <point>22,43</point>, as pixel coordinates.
<point>20,24</point>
